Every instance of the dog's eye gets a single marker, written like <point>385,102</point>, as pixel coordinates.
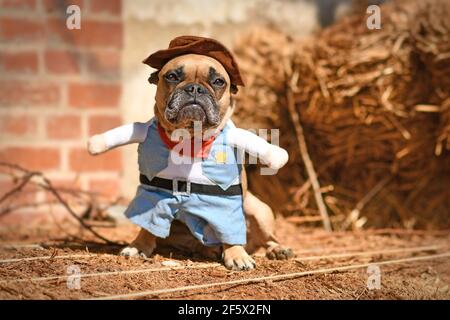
<point>219,82</point>
<point>172,77</point>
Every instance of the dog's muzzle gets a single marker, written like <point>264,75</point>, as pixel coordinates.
<point>193,102</point>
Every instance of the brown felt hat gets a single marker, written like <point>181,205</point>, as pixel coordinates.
<point>197,45</point>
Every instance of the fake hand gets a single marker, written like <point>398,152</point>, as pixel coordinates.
<point>275,157</point>
<point>97,144</point>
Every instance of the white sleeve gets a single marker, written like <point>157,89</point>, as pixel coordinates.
<point>231,124</point>
<point>248,141</point>
<point>269,154</point>
<point>130,133</point>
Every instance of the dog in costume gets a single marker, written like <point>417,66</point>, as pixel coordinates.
<point>190,157</point>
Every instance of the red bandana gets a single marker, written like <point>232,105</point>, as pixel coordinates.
<point>201,153</point>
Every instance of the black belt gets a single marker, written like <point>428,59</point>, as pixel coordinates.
<point>183,186</point>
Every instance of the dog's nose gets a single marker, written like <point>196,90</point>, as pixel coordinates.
<point>195,89</point>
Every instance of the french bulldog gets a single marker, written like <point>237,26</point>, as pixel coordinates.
<point>196,90</point>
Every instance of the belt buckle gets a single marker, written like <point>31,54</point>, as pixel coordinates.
<point>177,192</point>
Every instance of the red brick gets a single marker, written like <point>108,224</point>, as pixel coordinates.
<point>99,124</point>
<point>63,127</point>
<point>18,4</point>
<point>60,7</point>
<point>103,62</point>
<point>94,95</point>
<point>5,186</point>
<point>80,160</point>
<point>21,29</point>
<point>93,34</point>
<point>26,195</point>
<point>62,62</point>
<point>28,93</point>
<point>32,158</point>
<point>63,184</point>
<point>113,7</point>
<point>106,187</point>
<point>34,218</point>
<point>19,61</point>
<point>17,125</point>
<point>66,183</point>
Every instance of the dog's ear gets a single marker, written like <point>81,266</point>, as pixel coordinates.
<point>154,78</point>
<point>233,89</point>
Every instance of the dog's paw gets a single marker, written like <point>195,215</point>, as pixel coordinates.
<point>236,258</point>
<point>279,253</point>
<point>135,252</point>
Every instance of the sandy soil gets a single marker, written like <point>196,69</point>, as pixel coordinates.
<point>427,279</point>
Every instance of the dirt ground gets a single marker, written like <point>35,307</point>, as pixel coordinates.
<point>423,279</point>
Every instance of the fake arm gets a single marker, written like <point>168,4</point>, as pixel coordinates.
<point>269,154</point>
<point>130,133</point>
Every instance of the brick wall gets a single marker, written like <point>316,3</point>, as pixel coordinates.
<point>58,87</point>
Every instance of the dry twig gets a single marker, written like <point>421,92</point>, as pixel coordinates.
<point>307,160</point>
<point>47,185</point>
<point>281,277</point>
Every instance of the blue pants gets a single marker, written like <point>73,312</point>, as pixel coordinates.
<point>213,220</point>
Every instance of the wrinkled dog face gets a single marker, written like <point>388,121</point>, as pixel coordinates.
<point>192,88</point>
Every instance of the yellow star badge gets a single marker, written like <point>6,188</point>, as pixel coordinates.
<point>221,157</point>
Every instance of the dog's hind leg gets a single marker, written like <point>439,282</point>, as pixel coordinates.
<point>261,227</point>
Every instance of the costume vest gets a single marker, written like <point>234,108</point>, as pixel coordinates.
<point>221,165</point>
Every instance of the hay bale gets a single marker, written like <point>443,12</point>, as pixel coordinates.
<point>374,104</point>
